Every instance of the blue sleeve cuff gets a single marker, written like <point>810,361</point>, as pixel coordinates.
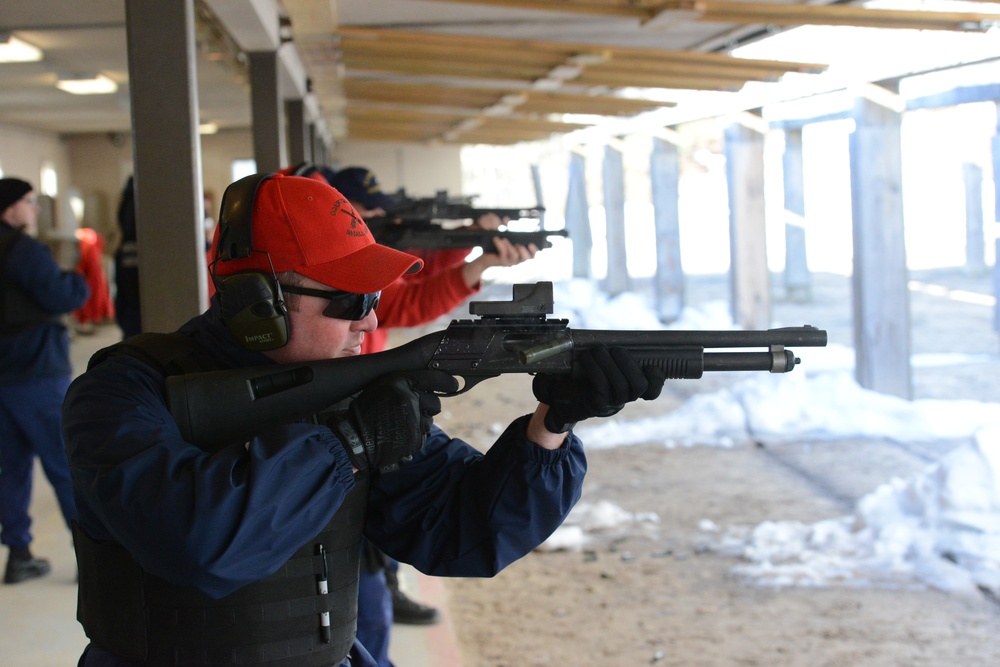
<point>535,452</point>
<point>341,461</point>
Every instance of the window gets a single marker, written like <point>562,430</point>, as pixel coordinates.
<point>241,168</point>
<point>49,180</point>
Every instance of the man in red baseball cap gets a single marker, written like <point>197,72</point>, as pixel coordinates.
<point>247,552</point>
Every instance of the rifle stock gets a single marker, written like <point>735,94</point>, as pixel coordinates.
<point>221,407</point>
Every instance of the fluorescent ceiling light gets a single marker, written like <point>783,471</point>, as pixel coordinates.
<point>14,50</point>
<point>208,128</point>
<point>98,85</point>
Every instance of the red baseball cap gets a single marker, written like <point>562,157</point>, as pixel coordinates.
<point>306,169</point>
<point>310,228</point>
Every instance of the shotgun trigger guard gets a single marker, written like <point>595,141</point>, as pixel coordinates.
<point>468,383</point>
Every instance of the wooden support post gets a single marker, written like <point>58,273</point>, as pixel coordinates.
<point>536,180</point>
<point>664,172</point>
<point>881,297</point>
<point>996,223</point>
<point>750,280</point>
<point>170,207</point>
<point>578,217</point>
<point>975,232</point>
<point>617,280</point>
<point>798,281</point>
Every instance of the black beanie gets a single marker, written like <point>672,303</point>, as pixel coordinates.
<point>11,190</point>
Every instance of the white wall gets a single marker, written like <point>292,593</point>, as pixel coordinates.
<point>100,164</point>
<point>421,169</point>
<point>96,165</point>
<point>217,154</point>
<point>24,152</point>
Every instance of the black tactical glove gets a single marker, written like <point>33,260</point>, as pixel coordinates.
<point>602,382</point>
<point>389,421</point>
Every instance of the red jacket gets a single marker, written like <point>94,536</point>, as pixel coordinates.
<point>98,307</point>
<point>419,299</point>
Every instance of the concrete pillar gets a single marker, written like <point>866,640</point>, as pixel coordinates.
<point>167,162</point>
<point>266,110</point>
<point>295,114</point>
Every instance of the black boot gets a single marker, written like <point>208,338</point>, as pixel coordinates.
<point>405,610</point>
<point>21,566</point>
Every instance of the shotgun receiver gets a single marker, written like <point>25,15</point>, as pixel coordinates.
<point>508,337</point>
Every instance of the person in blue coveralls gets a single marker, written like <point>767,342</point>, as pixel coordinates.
<point>35,370</point>
<point>247,552</point>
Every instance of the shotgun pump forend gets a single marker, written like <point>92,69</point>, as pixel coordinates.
<point>217,408</point>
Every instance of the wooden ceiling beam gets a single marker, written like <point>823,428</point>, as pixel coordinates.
<point>639,9</point>
<point>675,82</point>
<point>446,50</point>
<point>599,105</point>
<point>764,13</point>
<point>508,123</point>
<point>455,68</point>
<point>531,101</point>
<point>398,117</point>
<point>408,93</point>
<point>491,138</point>
<point>487,130</point>
<point>564,51</point>
<point>724,69</point>
<point>726,11</point>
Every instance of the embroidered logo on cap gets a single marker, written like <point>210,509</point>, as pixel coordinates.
<point>358,226</point>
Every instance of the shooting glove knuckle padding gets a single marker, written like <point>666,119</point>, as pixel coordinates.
<point>385,424</point>
<point>603,381</point>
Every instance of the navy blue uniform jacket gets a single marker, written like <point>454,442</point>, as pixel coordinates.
<point>41,350</point>
<point>217,522</point>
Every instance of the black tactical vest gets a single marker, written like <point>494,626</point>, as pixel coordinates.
<point>18,311</point>
<point>274,622</point>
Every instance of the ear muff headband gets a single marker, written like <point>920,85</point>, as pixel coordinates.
<point>253,308</point>
<point>236,217</point>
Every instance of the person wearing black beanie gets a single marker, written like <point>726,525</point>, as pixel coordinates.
<point>35,371</point>
<point>17,207</point>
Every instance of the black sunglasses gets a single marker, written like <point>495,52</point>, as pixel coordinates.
<point>343,305</point>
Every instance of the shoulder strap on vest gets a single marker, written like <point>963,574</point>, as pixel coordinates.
<point>6,241</point>
<point>169,353</point>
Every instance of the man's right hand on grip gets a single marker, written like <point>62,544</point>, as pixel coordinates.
<point>390,419</point>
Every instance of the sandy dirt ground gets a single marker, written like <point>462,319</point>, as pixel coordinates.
<point>654,593</point>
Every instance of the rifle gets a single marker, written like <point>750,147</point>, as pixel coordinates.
<point>443,207</point>
<point>428,234</point>
<point>508,337</point>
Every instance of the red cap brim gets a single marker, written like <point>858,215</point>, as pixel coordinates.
<point>370,269</point>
